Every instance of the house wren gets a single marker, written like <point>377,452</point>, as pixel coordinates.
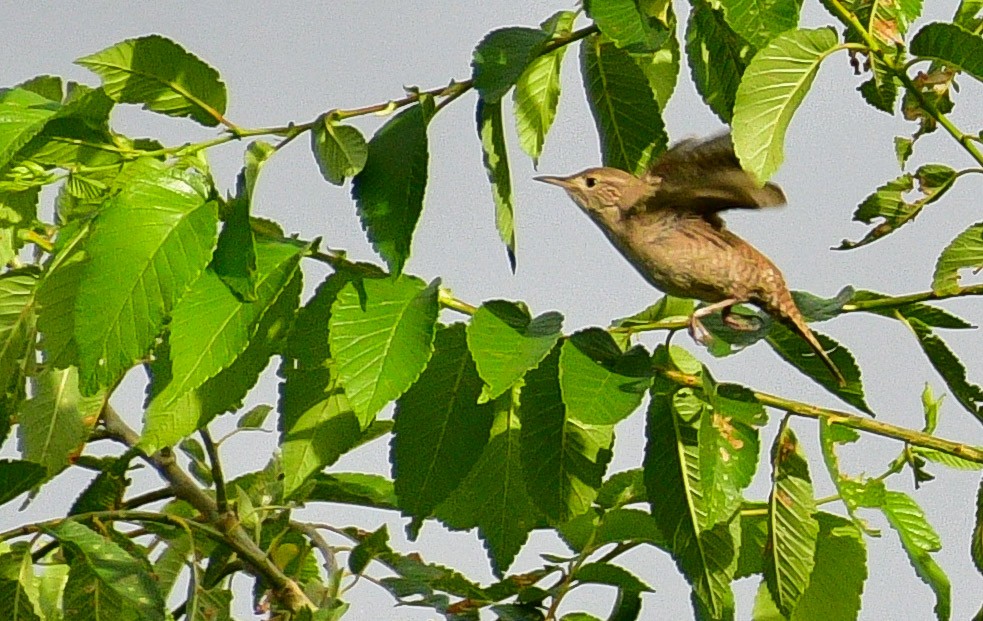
<point>667,224</point>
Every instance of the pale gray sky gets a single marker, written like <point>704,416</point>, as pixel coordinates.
<point>289,61</point>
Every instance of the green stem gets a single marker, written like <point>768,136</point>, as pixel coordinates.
<point>901,300</point>
<point>830,416</point>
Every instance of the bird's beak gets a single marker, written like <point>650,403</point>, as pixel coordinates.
<point>563,182</point>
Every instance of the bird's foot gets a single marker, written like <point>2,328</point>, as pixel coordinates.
<point>741,323</point>
<point>698,332</point>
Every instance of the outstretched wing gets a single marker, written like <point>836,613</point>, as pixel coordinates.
<point>705,176</point>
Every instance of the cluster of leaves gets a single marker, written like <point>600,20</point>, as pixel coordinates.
<point>502,424</point>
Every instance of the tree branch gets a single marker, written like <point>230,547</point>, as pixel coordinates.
<point>830,416</point>
<point>184,487</point>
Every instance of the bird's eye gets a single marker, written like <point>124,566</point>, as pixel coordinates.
<point>590,182</point>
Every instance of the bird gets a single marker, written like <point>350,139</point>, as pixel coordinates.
<point>667,224</point>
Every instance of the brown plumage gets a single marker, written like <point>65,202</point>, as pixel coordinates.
<point>667,224</point>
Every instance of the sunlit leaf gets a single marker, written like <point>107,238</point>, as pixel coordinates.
<point>161,75</point>
<point>501,57</point>
<point>774,85</point>
<point>340,150</point>
<point>495,156</point>
<point>965,251</point>
<point>952,45</point>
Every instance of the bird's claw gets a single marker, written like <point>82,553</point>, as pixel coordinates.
<point>698,331</point>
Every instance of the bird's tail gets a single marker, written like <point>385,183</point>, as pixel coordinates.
<point>790,315</point>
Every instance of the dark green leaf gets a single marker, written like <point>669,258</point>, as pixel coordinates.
<point>815,308</point>
<point>952,45</point>
<point>774,85</point>
<point>381,336</point>
<point>668,307</point>
<point>389,189</point>
<point>340,150</point>
<point>493,497</point>
<point>627,117</point>
<point>160,74</point>
<point>622,488</point>
<point>965,251</point>
<point>366,490</point>
<point>495,156</point>
<point>254,418</point>
<point>563,460</point>
<point>837,580</point>
<point>606,573</point>
<point>440,429</point>
<point>950,368</point>
<point>112,569</point>
<point>17,477</point>
<point>629,24</point>
<point>501,57</point>
<point>976,544</point>
<point>793,529</point>
<point>717,58</point>
<point>797,352</point>
<point>600,384</point>
<point>235,255</point>
<point>903,148</point>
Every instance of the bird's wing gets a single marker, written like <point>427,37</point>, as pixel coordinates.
<point>705,176</point>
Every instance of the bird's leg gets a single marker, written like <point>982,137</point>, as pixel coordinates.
<point>696,329</point>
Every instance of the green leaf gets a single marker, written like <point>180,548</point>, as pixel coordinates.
<point>112,569</point>
<point>774,84</point>
<point>717,58</point>
<point>919,540</point>
<point>340,150</point>
<point>389,189</point>
<point>950,368</point>
<point>254,418</point>
<point>493,497</point>
<point>18,585</point>
<point>501,57</point>
<point>976,545</point>
<point>599,383</point>
<point>145,249</point>
<point>706,554</point>
<point>661,66</point>
<point>793,529</point>
<point>968,15</point>
<point>235,254</point>
<point>837,580</point>
<point>381,336</point>
<point>761,21</point>
<point>563,461</point>
<point>888,202</point>
<point>176,411</point>
<point>830,435</point>
<point>797,352</point>
<point>317,424</point>
<point>56,422</point>
<point>56,297</point>
<point>613,575</point>
<point>903,148</point>
<point>626,114</point>
<point>211,326</point>
<point>23,115</point>
<point>622,488</point>
<point>965,251</point>
<point>357,488</point>
<point>629,24</point>
<point>161,75</point>
<point>952,45</point>
<point>815,308</point>
<point>17,477</point>
<point>729,448</point>
<point>440,429</point>
<point>506,342</point>
<point>668,307</point>
<point>495,156</point>
<point>537,91</point>
<point>17,327</point>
